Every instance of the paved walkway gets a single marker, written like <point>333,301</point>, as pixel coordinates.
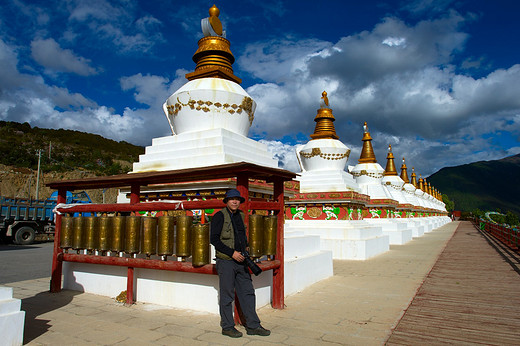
<point>471,296</point>
<point>359,305</point>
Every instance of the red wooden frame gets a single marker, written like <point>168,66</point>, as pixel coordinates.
<point>242,171</point>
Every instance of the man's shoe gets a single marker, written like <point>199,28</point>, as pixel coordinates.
<point>258,331</point>
<point>231,332</point>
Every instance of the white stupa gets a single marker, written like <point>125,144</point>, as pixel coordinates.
<point>392,181</point>
<point>322,160</point>
<point>409,188</point>
<point>368,173</point>
<point>209,116</point>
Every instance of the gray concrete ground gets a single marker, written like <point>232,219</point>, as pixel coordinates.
<point>359,305</point>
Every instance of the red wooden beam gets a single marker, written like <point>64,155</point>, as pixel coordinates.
<point>156,206</point>
<point>153,263</point>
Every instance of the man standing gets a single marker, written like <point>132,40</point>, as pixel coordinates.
<point>228,236</point>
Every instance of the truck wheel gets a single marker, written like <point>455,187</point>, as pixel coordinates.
<point>24,236</point>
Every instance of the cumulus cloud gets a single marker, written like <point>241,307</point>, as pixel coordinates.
<point>400,79</point>
<point>284,153</point>
<point>118,23</point>
<point>46,106</point>
<point>50,55</point>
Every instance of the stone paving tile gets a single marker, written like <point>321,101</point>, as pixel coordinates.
<point>181,331</point>
<point>179,341</point>
<point>219,339</point>
<point>102,337</point>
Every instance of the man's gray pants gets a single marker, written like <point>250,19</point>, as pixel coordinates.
<point>235,277</point>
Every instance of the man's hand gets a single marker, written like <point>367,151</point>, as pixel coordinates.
<point>237,256</point>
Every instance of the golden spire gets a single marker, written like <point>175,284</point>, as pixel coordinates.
<point>404,173</point>
<point>414,178</point>
<point>390,166</point>
<point>214,57</point>
<point>421,183</point>
<point>424,186</point>
<point>429,189</point>
<point>324,121</point>
<point>367,153</point>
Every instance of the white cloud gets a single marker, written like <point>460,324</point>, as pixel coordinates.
<point>121,24</point>
<point>284,153</point>
<point>50,55</point>
<point>399,79</point>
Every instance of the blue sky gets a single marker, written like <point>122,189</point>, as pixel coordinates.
<point>439,80</point>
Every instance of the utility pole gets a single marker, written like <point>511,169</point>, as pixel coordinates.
<point>39,151</point>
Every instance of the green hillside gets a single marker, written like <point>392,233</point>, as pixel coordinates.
<point>486,185</point>
<point>64,150</point>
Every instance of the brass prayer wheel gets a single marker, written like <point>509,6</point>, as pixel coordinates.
<point>183,244</point>
<point>200,251</point>
<point>132,234</point>
<point>165,235</point>
<point>105,233</point>
<point>118,234</point>
<point>67,231</point>
<point>256,235</point>
<point>149,236</point>
<point>270,228</point>
<point>91,226</point>
<point>77,235</point>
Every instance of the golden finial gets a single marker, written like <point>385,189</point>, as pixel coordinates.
<point>214,21</point>
<point>367,153</point>
<point>324,121</point>
<point>325,99</point>
<point>390,166</point>
<point>404,172</point>
<point>421,183</point>
<point>414,178</point>
<point>213,58</point>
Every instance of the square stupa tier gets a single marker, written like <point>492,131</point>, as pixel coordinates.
<point>200,149</point>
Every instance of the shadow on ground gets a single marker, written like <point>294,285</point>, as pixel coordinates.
<point>39,305</point>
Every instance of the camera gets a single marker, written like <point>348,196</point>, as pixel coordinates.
<point>251,264</point>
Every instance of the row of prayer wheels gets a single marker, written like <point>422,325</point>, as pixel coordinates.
<point>163,236</point>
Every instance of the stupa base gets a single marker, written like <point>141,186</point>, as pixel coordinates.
<point>353,240</point>
<point>201,149</point>
<point>12,320</point>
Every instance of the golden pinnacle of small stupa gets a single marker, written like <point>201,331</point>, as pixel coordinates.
<point>213,58</point>
<point>414,178</point>
<point>421,183</point>
<point>404,173</point>
<point>390,165</point>
<point>324,121</point>
<point>367,152</point>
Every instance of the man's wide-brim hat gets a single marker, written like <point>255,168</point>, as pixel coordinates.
<point>233,193</point>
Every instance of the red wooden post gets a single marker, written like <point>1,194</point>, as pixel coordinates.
<point>278,274</point>
<point>135,197</point>
<point>57,264</point>
<point>130,286</point>
<point>243,188</point>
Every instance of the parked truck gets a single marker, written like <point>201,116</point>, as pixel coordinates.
<point>23,220</point>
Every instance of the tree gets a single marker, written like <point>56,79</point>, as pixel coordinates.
<point>450,205</point>
<point>511,219</point>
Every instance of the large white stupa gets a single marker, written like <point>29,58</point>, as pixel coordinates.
<point>210,115</point>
